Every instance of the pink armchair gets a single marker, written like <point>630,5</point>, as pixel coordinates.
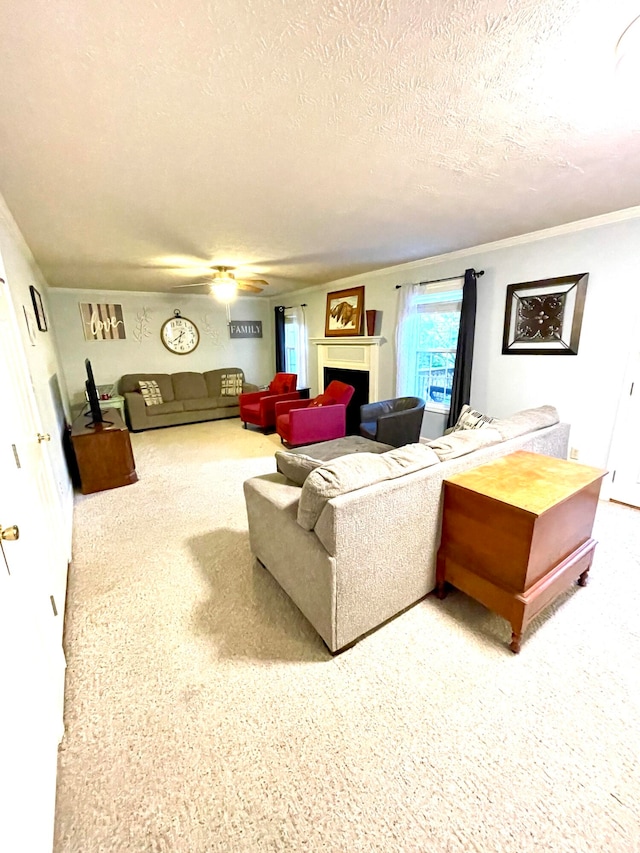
<point>258,407</point>
<point>321,419</point>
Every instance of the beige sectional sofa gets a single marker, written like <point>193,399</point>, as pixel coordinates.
<point>186,397</point>
<point>357,536</point>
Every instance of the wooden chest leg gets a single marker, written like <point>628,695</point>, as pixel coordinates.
<point>516,639</point>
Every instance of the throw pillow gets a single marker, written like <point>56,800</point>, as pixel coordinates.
<point>471,419</point>
<point>321,400</point>
<point>296,466</point>
<point>231,384</point>
<point>151,392</point>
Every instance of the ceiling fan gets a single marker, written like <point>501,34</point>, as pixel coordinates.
<point>224,285</point>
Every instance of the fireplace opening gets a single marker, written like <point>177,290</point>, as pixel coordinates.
<point>360,381</point>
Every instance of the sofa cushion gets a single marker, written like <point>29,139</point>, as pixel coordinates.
<point>348,473</point>
<point>171,408</point>
<point>296,466</point>
<point>528,420</point>
<point>129,383</point>
<point>471,419</point>
<point>231,384</point>
<point>189,385</point>
<point>150,392</point>
<point>199,404</point>
<point>463,441</point>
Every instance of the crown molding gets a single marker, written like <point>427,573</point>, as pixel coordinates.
<point>521,239</point>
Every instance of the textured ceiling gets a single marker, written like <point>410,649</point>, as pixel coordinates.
<point>304,140</point>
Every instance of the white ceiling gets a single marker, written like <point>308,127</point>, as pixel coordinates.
<point>304,140</point>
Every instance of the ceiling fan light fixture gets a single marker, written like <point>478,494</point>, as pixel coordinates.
<point>224,291</point>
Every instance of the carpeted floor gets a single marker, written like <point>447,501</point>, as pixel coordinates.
<point>203,713</point>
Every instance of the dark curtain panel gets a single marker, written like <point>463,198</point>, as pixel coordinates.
<point>280,361</point>
<point>461,388</point>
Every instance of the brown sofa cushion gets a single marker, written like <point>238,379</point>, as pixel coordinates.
<point>129,384</point>
<point>199,404</point>
<point>189,386</point>
<point>166,408</point>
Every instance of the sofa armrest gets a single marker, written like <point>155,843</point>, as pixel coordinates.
<point>251,396</point>
<point>371,411</point>
<point>136,409</point>
<point>249,387</point>
<point>269,402</point>
<point>284,406</point>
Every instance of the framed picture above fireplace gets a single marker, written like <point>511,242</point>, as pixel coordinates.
<point>345,310</point>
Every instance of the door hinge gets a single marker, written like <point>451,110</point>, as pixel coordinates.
<point>53,604</point>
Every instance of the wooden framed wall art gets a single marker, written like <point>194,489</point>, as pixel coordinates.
<point>345,310</point>
<point>544,317</point>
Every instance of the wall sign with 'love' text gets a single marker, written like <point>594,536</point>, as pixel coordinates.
<point>245,329</point>
<point>102,322</point>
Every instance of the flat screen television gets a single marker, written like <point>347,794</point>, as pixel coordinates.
<point>92,395</point>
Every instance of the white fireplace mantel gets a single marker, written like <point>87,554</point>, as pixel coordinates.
<point>358,352</point>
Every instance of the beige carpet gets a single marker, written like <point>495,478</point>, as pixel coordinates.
<point>203,713</point>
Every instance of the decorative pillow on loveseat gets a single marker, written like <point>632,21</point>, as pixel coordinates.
<point>231,384</point>
<point>151,392</point>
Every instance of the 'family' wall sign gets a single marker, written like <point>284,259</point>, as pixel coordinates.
<point>245,329</point>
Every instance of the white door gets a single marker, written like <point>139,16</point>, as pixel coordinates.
<point>624,460</point>
<point>32,661</point>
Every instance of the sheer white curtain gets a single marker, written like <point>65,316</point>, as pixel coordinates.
<point>407,337</point>
<point>298,318</point>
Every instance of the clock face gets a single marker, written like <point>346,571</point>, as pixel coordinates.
<point>180,335</point>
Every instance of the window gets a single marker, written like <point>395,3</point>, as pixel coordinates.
<point>427,338</point>
<point>295,344</point>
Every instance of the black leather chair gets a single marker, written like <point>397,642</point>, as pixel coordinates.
<point>394,422</point>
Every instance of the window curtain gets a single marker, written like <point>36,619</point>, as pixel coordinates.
<point>461,388</point>
<point>280,347</point>
<point>302,344</point>
<point>407,335</point>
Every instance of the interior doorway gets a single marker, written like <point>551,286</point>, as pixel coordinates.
<point>624,459</point>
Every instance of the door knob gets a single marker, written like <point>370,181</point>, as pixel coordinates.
<point>43,436</point>
<point>9,534</point>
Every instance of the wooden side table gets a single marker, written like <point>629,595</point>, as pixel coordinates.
<point>103,453</point>
<point>517,532</point>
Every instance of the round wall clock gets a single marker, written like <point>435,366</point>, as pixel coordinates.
<point>179,335</point>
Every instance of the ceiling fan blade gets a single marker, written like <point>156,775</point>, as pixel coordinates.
<point>253,281</point>
<point>193,284</point>
<point>243,285</point>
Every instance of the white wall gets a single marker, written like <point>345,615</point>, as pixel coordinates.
<point>145,353</point>
<point>585,388</point>
<point>20,271</point>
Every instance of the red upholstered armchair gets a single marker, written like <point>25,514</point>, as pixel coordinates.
<point>259,407</point>
<point>323,418</point>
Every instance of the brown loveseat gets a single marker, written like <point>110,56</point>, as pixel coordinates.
<point>186,397</point>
